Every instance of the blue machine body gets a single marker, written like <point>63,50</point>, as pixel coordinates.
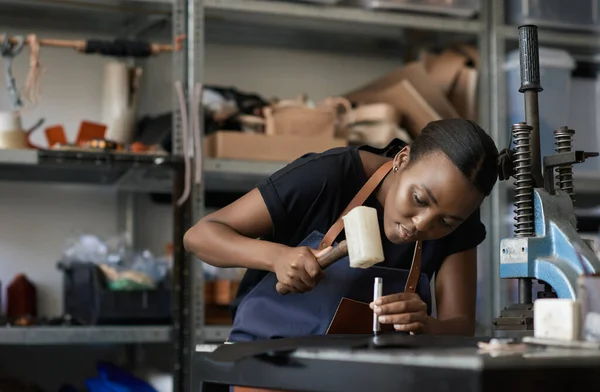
<point>556,254</point>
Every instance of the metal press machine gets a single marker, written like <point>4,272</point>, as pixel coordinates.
<point>546,245</point>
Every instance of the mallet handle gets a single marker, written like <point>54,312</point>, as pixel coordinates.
<point>338,252</point>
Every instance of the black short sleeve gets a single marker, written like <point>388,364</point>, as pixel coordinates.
<point>307,194</point>
<point>468,235</point>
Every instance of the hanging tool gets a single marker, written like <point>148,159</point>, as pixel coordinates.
<point>546,243</point>
<point>118,47</point>
<point>9,50</point>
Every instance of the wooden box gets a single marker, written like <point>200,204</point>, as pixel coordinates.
<point>251,146</point>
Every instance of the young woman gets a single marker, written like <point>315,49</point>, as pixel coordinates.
<point>429,191</point>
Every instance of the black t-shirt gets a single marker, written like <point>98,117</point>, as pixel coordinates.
<point>310,194</point>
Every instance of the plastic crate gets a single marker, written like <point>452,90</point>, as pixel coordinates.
<point>573,15</point>
<point>88,300</point>
<point>583,119</point>
<point>555,75</point>
<point>459,8</point>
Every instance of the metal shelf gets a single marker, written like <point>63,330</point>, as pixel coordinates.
<point>330,28</point>
<point>215,333</point>
<point>133,172</point>
<point>84,335</point>
<point>350,19</point>
<point>578,41</point>
<point>231,175</point>
<point>101,16</point>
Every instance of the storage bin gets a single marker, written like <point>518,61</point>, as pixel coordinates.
<point>88,300</point>
<point>555,76</point>
<point>582,118</point>
<point>459,8</point>
<point>575,15</point>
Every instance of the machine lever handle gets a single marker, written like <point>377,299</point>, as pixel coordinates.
<point>529,58</point>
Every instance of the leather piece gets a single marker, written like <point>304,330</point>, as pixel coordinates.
<point>354,317</point>
<point>358,200</point>
<point>415,269</point>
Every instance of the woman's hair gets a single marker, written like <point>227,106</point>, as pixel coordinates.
<point>468,146</point>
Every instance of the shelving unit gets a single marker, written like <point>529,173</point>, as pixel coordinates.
<point>122,172</point>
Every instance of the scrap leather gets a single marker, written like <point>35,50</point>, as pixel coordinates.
<point>354,317</point>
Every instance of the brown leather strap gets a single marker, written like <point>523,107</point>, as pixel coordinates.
<point>358,200</point>
<point>415,270</point>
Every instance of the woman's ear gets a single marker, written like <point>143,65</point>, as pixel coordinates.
<point>401,159</point>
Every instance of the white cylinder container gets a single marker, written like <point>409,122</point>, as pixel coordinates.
<point>363,237</point>
<point>12,135</point>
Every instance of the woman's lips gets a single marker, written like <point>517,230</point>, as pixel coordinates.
<point>404,233</point>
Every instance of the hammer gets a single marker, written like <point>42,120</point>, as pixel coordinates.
<point>362,244</point>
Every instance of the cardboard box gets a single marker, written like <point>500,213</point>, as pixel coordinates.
<point>279,148</point>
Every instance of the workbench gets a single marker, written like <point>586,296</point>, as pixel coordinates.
<point>403,363</point>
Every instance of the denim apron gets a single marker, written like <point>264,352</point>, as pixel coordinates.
<point>265,314</point>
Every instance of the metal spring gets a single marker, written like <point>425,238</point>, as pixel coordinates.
<point>524,226</point>
<point>563,140</point>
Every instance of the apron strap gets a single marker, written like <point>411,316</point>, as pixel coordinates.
<point>415,270</point>
<point>358,200</point>
<point>362,195</point>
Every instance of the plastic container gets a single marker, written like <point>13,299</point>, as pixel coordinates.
<point>88,300</point>
<point>555,76</point>
<point>583,119</point>
<point>573,15</point>
<point>21,298</point>
<point>459,8</point>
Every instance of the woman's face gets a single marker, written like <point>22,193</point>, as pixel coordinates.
<point>428,199</point>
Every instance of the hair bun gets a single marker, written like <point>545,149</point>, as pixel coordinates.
<point>506,167</point>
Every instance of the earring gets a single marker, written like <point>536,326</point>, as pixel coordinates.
<point>396,169</point>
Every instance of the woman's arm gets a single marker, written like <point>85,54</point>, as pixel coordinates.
<point>456,294</point>
<point>227,237</point>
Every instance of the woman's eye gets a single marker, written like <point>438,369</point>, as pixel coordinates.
<point>446,224</point>
<point>418,200</point>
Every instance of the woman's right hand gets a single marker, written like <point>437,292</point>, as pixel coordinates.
<point>297,269</point>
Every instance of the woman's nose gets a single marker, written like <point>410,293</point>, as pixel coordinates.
<point>422,222</point>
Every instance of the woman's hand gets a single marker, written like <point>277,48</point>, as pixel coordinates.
<point>297,268</point>
<point>406,311</point>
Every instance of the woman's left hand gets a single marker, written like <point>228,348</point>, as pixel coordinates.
<point>406,311</point>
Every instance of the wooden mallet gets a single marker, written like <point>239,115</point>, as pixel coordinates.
<point>362,244</point>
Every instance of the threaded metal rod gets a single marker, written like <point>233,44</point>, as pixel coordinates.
<point>563,140</point>
<point>524,225</point>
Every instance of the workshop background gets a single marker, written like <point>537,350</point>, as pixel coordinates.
<point>95,199</point>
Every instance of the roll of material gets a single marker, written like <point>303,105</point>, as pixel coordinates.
<point>120,100</point>
<point>12,135</point>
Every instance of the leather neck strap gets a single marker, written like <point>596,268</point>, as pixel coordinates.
<point>358,200</point>
<point>362,195</point>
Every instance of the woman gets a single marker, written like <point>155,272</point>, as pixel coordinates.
<point>429,191</point>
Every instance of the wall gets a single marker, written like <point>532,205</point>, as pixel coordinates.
<point>37,219</point>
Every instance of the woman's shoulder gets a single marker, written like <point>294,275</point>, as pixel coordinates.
<point>342,162</point>
<point>337,163</point>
